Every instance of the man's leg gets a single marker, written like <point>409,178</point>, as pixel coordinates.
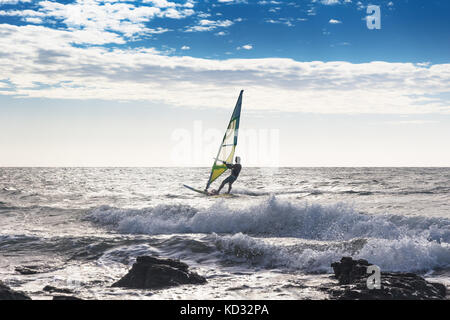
<point>224,182</point>
<point>232,180</point>
<point>229,187</point>
<point>220,188</point>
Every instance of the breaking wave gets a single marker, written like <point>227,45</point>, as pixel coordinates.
<point>400,255</point>
<point>271,217</point>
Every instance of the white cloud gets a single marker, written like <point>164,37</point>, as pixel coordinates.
<point>208,25</point>
<point>330,2</point>
<point>333,2</point>
<point>221,33</point>
<point>185,48</point>
<point>334,21</point>
<point>161,3</point>
<point>264,2</point>
<point>311,12</point>
<point>285,21</point>
<point>21,13</point>
<point>245,47</point>
<point>423,64</point>
<point>12,1</point>
<point>100,17</point>
<point>359,5</point>
<point>41,62</point>
<point>35,20</point>
<point>232,1</point>
<point>203,15</point>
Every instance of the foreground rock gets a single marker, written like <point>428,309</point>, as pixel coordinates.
<point>352,278</point>
<point>65,298</point>
<point>58,290</point>
<point>27,270</point>
<point>154,273</point>
<point>6,293</point>
<point>348,270</point>
<point>33,269</point>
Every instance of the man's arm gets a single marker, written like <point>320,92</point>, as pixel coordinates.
<point>229,165</point>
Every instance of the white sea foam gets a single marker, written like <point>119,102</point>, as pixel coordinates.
<point>405,254</point>
<point>272,217</point>
<point>395,243</point>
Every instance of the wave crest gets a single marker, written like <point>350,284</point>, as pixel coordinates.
<point>399,255</point>
<point>271,217</point>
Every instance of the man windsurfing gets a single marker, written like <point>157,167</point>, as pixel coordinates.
<point>235,170</point>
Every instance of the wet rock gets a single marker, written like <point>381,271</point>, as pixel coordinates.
<point>155,273</point>
<point>58,290</point>
<point>348,270</point>
<point>352,278</point>
<point>26,270</point>
<point>65,298</point>
<point>32,269</point>
<point>6,293</point>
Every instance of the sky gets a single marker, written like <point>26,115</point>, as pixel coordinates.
<point>154,82</point>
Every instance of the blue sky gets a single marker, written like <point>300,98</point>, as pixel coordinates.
<point>412,31</point>
<point>110,83</point>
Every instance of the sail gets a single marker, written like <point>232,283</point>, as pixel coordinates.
<point>228,145</point>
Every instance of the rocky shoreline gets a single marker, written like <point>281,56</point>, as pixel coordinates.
<point>155,273</point>
<point>352,282</point>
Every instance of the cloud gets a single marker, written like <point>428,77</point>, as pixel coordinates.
<point>264,2</point>
<point>13,1</point>
<point>221,33</point>
<point>42,62</point>
<point>185,48</point>
<point>35,20</point>
<point>208,25</point>
<point>359,5</point>
<point>334,21</point>
<point>245,47</point>
<point>286,21</point>
<point>333,2</point>
<point>329,2</point>
<point>161,3</point>
<point>233,1</point>
<point>97,16</point>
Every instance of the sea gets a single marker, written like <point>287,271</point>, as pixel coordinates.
<point>275,237</point>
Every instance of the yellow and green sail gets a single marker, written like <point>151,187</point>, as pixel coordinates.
<point>228,145</point>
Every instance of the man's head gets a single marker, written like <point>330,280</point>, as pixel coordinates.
<point>238,159</point>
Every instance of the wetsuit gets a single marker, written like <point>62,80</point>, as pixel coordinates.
<point>235,170</point>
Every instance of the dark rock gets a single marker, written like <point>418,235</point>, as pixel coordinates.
<point>352,278</point>
<point>65,298</point>
<point>6,293</point>
<point>32,269</point>
<point>54,289</point>
<point>348,269</point>
<point>26,270</point>
<point>155,273</point>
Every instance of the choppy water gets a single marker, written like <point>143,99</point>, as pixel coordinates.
<point>276,238</point>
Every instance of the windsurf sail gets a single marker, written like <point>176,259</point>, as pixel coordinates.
<point>228,145</point>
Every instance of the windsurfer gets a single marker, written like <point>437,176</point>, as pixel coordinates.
<point>235,170</point>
